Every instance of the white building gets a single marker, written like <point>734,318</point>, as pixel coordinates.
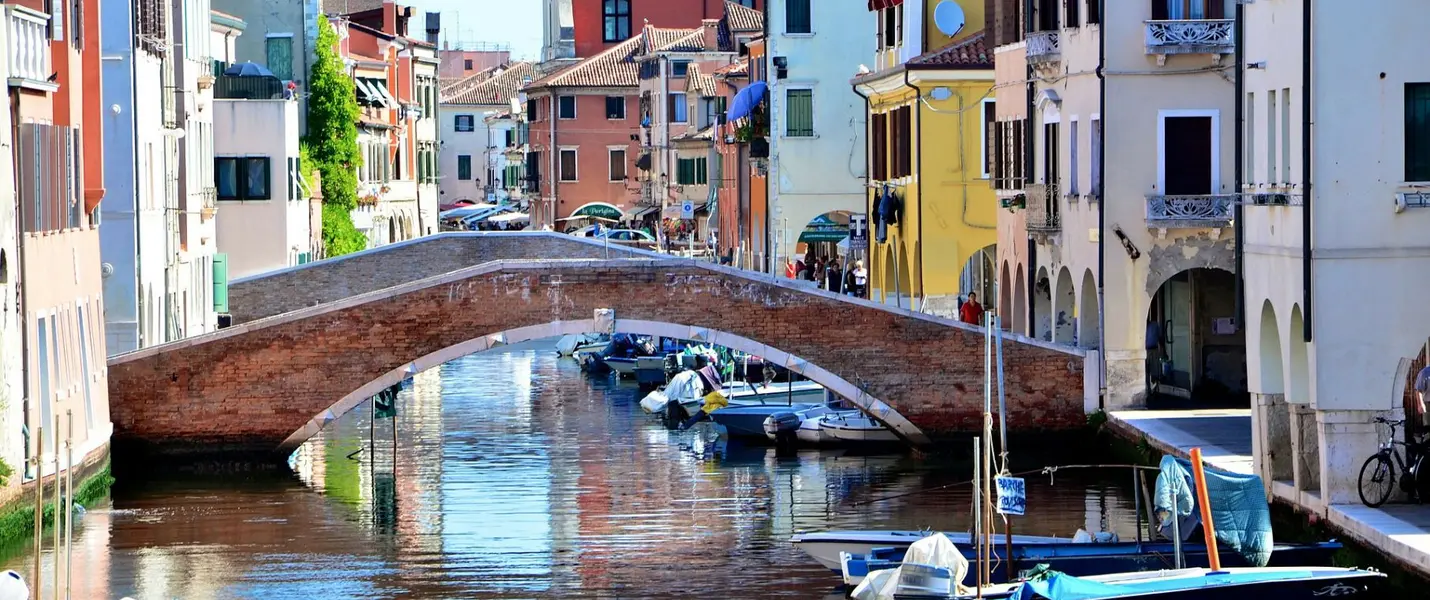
<point>421,122</point>
<point>817,127</point>
<point>502,131</point>
<point>469,145</point>
<point>264,216</point>
<point>12,356</point>
<point>1334,234</point>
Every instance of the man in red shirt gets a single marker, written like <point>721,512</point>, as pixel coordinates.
<point>971,312</point>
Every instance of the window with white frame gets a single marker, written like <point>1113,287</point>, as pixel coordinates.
<point>568,164</point>
<point>566,108</point>
<point>618,164</point>
<point>243,177</point>
<point>1072,157</point>
<point>678,108</point>
<point>799,113</point>
<point>465,123</point>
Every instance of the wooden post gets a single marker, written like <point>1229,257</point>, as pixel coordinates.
<point>39,507</point>
<point>1199,474</point>
<point>69,498</point>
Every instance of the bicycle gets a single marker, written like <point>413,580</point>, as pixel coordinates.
<point>1382,467</point>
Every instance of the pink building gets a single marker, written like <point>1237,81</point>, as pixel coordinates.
<point>458,63</point>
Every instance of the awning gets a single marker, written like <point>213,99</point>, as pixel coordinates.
<point>746,101</point>
<point>464,211</point>
<point>516,216</point>
<point>387,95</point>
<point>824,229</point>
<point>644,211</point>
<point>883,4</point>
<point>368,93</point>
<point>598,210</point>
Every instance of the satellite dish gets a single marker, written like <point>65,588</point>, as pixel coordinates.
<point>948,17</point>
<point>940,93</point>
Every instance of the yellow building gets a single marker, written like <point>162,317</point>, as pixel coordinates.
<point>930,104</point>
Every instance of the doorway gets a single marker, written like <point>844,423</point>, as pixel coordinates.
<point>1188,156</point>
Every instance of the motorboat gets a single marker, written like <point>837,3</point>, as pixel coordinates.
<point>623,366</point>
<point>1086,555</point>
<point>576,343</point>
<point>855,427</point>
<point>826,546</point>
<point>925,582</point>
<point>749,421</point>
<point>800,394</point>
<point>803,425</point>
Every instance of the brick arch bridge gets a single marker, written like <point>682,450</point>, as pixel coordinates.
<point>313,342</point>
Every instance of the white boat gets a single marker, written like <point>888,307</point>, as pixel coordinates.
<point>576,343</point>
<point>683,385</point>
<point>855,427</point>
<point>825,546</point>
<point>805,424</point>
<point>738,393</point>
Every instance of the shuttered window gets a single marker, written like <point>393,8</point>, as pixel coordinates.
<point>279,52</point>
<point>799,113</point>
<point>1417,132</point>
<point>879,147</point>
<point>692,171</point>
<point>797,19</point>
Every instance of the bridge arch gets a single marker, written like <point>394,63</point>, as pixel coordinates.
<point>834,383</point>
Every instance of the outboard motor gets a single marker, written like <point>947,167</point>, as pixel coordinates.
<point>674,415</point>
<point>782,427</point>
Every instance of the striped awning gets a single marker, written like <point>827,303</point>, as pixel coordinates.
<point>883,4</point>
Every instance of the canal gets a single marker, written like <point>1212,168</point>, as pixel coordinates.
<point>515,476</point>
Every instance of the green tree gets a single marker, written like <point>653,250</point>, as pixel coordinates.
<point>332,142</point>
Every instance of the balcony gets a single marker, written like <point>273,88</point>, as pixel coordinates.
<point>29,55</point>
<point>1190,212</point>
<point>1190,36</point>
<point>1043,211</point>
<point>1044,47</point>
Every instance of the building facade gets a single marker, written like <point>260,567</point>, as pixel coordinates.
<point>929,200</point>
<point>263,210</point>
<point>53,124</point>
<point>281,36</point>
<point>817,129</point>
<point>473,137</point>
<point>1137,261</point>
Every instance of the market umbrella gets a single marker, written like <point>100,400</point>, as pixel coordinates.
<point>746,100</point>
<point>248,69</point>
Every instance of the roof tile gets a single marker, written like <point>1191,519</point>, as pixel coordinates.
<point>493,88</point>
<point>744,19</point>
<point>613,67</point>
<point>971,53</point>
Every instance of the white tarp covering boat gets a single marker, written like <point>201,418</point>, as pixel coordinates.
<point>685,384</point>
<point>933,566</point>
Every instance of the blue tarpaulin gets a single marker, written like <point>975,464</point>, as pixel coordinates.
<point>746,101</point>
<point>1239,509</point>
<point>1060,586</point>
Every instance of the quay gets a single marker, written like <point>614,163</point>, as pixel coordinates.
<point>1400,532</point>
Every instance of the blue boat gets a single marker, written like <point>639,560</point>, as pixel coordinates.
<point>1079,559</point>
<point>749,421</point>
<point>924,582</point>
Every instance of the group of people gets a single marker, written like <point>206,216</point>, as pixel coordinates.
<point>830,275</point>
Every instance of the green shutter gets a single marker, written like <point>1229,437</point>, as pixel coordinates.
<point>279,53</point>
<point>799,113</point>
<point>220,267</point>
<point>797,16</point>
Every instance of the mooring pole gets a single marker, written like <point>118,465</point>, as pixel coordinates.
<point>39,506</point>
<point>69,500</point>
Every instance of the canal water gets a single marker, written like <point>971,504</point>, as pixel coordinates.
<point>515,476</point>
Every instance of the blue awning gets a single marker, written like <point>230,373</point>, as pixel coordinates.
<point>746,101</point>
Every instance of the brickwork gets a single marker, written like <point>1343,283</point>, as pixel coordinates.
<point>247,389</point>
<point>330,280</point>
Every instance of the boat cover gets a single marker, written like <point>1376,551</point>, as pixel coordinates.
<point>936,551</point>
<point>684,385</point>
<point>1240,513</point>
<point>1061,586</point>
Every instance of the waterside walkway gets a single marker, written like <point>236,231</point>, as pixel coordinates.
<point>1400,531</point>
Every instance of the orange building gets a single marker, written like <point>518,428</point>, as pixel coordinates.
<point>742,230</point>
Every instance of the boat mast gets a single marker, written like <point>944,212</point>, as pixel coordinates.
<point>986,459</point>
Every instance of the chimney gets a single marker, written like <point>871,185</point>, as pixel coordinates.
<point>712,33</point>
<point>434,27</point>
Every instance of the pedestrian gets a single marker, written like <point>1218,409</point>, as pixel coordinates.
<point>858,280</point>
<point>1422,387</point>
<point>833,278</point>
<point>971,312</point>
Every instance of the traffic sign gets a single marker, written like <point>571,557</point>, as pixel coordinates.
<point>687,209</point>
<point>858,232</point>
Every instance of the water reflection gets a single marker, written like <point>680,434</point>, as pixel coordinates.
<point>514,477</point>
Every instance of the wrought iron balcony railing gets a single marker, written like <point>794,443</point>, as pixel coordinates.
<point>1044,47</point>
<point>1191,211</point>
<point>1043,212</point>
<point>1200,36</point>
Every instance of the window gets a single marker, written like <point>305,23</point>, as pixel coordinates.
<point>1072,158</point>
<point>566,107</point>
<point>1417,132</point>
<point>1250,136</point>
<point>1096,190</point>
<point>531,114</point>
<point>902,142</point>
<point>990,137</point>
<point>1285,135</point>
<point>467,64</point>
<point>465,123</point>
<point>691,171</point>
<point>679,68</point>
<point>1071,7</point>
<point>1094,11</point>
<point>891,27</point>
<point>615,107</point>
<point>799,113</point>
<point>1271,136</point>
<point>747,3</point>
<point>1180,10</point>
<point>464,167</point>
<point>279,54</point>
<point>678,108</point>
<point>618,164</point>
<point>568,164</point>
<point>616,15</point>
<point>242,178</point>
<point>1009,155</point>
<point>879,147</point>
<point>797,16</point>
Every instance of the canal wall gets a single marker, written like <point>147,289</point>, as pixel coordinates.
<point>91,478</point>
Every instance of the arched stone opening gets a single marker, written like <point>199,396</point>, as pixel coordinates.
<point>835,384</point>
<point>1306,432</point>
<point>978,276</point>
<point>1065,310</point>
<point>1043,307</point>
<point>1089,325</point>
<point>1005,299</point>
<point>1196,353</point>
<point>888,272</point>
<point>1020,303</point>
<point>1271,418</point>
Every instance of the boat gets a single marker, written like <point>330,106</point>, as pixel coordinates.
<point>924,582</point>
<point>1092,557</point>
<point>826,546</point>
<point>749,421</point>
<point>803,425</point>
<point>855,427</point>
<point>576,343</point>
<point>650,370</point>
<point>737,393</point>
<point>623,366</point>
